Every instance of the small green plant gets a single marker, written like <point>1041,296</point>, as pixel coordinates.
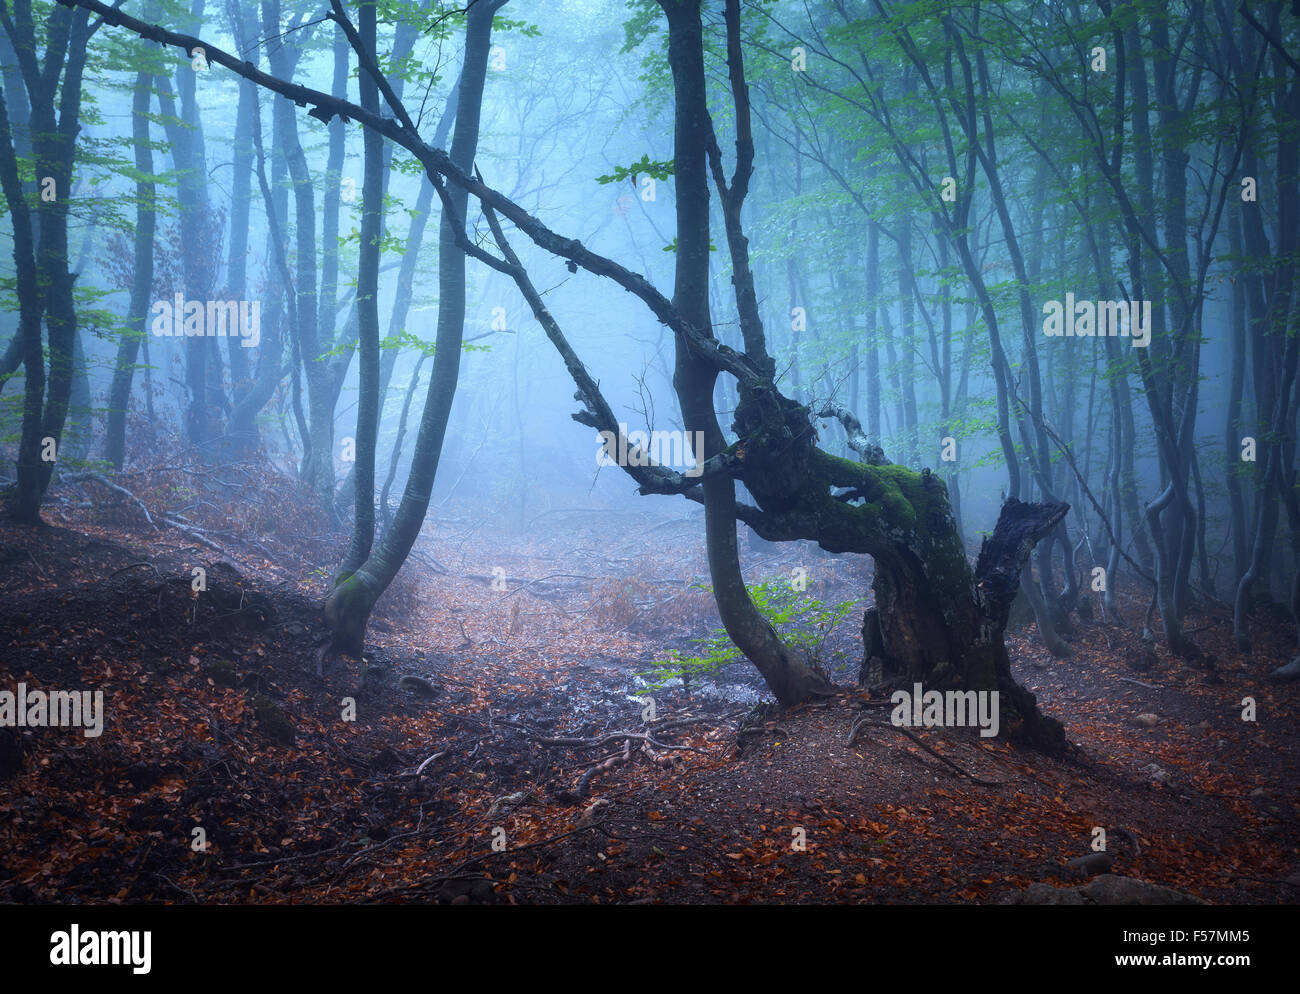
<point>802,621</point>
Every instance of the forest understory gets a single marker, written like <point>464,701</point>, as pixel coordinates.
<point>215,719</point>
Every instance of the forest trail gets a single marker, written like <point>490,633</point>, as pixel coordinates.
<point>215,720</point>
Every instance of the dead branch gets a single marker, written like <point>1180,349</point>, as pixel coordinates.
<point>541,579</point>
<point>584,782</point>
<point>594,743</point>
<point>865,722</point>
<point>198,535</point>
<point>133,566</point>
<point>437,755</point>
<point>871,454</point>
<point>104,481</point>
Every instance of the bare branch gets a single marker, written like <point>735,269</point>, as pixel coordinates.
<point>872,454</point>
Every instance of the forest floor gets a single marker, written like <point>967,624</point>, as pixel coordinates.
<point>304,789</point>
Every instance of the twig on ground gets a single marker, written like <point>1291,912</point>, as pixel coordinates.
<point>593,743</point>
<point>104,481</point>
<point>865,722</point>
<point>133,566</point>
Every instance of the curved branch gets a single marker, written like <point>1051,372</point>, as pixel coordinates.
<point>872,455</point>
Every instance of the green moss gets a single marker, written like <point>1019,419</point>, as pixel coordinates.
<point>223,673</point>
<point>347,609</point>
<point>273,721</point>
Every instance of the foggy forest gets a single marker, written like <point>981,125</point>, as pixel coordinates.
<point>649,452</point>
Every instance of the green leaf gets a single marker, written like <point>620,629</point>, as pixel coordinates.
<point>657,169</point>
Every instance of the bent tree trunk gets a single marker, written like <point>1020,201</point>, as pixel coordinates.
<point>936,622</point>
<point>348,607</point>
<point>790,677</point>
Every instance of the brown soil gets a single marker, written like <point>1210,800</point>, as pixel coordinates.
<point>763,806</point>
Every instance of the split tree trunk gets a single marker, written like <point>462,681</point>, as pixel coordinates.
<point>944,627</point>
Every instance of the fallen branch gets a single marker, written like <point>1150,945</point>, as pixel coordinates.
<point>39,568</point>
<point>1129,679</point>
<point>104,481</point>
<point>584,782</point>
<point>133,566</point>
<point>529,583</point>
<point>594,743</point>
<point>437,755</point>
<point>865,722</point>
<point>198,536</point>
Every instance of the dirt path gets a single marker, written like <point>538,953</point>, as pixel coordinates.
<point>305,790</point>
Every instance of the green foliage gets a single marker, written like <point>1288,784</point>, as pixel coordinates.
<point>803,622</point>
<point>408,165</point>
<point>645,166</point>
<point>643,22</point>
<point>403,340</point>
<point>501,25</point>
<point>672,246</point>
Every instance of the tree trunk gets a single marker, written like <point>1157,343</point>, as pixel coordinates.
<point>943,628</point>
<point>249,398</point>
<point>41,239</point>
<point>27,494</point>
<point>319,456</point>
<point>789,677</point>
<point>372,195</point>
<point>348,607</point>
<point>119,392</point>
